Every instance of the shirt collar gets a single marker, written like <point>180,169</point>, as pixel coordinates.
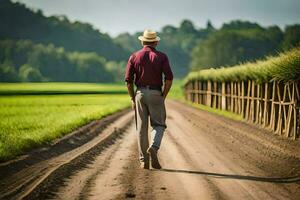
<point>149,48</point>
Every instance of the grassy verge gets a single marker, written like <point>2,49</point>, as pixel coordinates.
<point>61,88</point>
<point>223,113</point>
<point>177,93</point>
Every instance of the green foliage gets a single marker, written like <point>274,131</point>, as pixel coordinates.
<point>47,42</point>
<point>30,74</point>
<point>117,69</point>
<point>234,43</point>
<point>241,25</point>
<point>129,42</point>
<point>285,67</point>
<point>19,22</point>
<point>25,61</point>
<point>8,73</point>
<point>291,36</point>
<point>176,91</point>
<point>30,121</point>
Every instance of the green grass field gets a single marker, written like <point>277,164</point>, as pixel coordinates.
<point>61,88</point>
<point>28,121</point>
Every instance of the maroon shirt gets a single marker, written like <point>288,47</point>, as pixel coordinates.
<point>148,65</point>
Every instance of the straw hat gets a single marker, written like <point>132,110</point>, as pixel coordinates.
<point>149,36</point>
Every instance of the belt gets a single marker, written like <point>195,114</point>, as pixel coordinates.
<point>150,87</point>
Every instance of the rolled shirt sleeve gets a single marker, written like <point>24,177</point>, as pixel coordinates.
<point>167,69</point>
<point>129,73</point>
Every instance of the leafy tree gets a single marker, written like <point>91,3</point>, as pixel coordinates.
<point>128,42</point>
<point>117,69</point>
<point>8,73</point>
<point>48,63</point>
<point>240,25</point>
<point>30,74</point>
<point>291,36</point>
<point>234,43</point>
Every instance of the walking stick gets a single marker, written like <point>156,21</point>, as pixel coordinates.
<point>135,116</point>
<point>135,113</point>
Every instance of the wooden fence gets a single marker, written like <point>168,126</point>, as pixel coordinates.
<point>273,105</point>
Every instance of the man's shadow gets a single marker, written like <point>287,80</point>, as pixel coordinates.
<point>293,179</point>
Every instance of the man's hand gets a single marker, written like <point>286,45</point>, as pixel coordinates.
<point>133,104</point>
<point>130,88</point>
<point>167,87</point>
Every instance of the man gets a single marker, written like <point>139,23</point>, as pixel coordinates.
<point>145,68</point>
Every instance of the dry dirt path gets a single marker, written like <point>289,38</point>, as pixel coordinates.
<point>204,156</point>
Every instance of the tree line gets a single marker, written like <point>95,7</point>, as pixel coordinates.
<point>26,61</point>
<point>39,48</point>
<point>19,22</point>
<point>235,42</point>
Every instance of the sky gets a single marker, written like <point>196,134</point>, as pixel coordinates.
<point>118,16</point>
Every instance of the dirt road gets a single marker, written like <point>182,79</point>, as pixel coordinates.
<point>204,156</point>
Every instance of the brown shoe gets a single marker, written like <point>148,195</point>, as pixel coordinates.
<point>144,165</point>
<point>154,160</point>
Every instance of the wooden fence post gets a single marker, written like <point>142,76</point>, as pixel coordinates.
<point>231,96</point>
<point>228,98</point>
<point>190,91</point>
<point>290,110</point>
<point>248,100</point>
<point>252,105</point>
<point>186,91</point>
<point>257,114</point>
<point>196,91</point>
<point>243,99</point>
<point>208,92</point>
<point>200,93</point>
<point>223,96</point>
<point>266,107</point>
<point>272,120</point>
<point>297,110</point>
<point>238,98</point>
<point>214,94</point>
<point>279,117</point>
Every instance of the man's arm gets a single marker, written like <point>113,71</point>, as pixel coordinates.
<point>129,77</point>
<point>130,88</point>
<point>168,77</point>
<point>167,87</point>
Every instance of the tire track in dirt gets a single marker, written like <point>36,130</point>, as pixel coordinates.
<point>100,178</point>
<point>48,188</point>
<point>29,178</point>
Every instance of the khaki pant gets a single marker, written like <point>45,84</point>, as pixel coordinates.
<point>149,103</point>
